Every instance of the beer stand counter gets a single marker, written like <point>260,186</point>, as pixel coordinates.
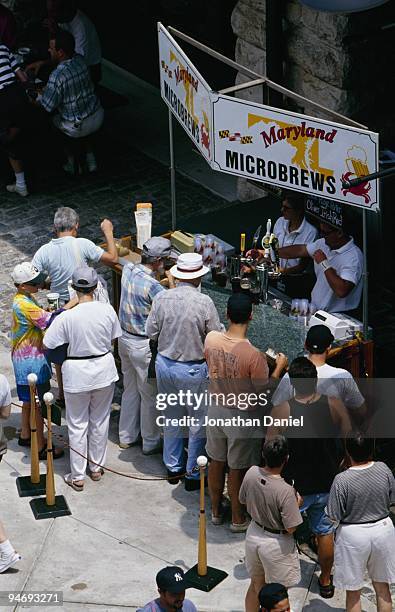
<point>269,328</point>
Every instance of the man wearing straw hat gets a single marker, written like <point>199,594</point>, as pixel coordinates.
<point>180,320</point>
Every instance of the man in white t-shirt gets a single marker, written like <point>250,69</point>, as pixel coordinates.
<point>338,266</point>
<point>333,382</point>
<point>63,254</point>
<point>5,409</point>
<point>89,374</point>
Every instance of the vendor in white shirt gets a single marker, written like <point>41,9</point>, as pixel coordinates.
<point>338,266</point>
<point>293,228</point>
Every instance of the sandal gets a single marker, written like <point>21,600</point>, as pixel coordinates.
<point>96,476</point>
<point>73,483</point>
<point>56,452</point>
<point>327,591</point>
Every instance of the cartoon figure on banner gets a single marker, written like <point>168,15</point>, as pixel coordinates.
<point>357,165</point>
<point>190,84</point>
<point>205,132</point>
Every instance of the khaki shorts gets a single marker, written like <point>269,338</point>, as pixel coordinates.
<point>273,556</point>
<point>360,548</point>
<point>240,447</point>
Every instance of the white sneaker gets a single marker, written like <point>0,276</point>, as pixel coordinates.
<point>14,188</point>
<point>8,559</point>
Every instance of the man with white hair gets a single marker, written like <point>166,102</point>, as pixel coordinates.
<point>89,374</point>
<point>180,320</point>
<point>138,290</point>
<point>63,254</point>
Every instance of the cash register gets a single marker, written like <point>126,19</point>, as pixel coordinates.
<point>341,325</point>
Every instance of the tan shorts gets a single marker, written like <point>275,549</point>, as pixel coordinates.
<point>273,556</point>
<point>240,447</point>
<point>360,548</point>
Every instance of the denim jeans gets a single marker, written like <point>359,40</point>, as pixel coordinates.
<point>172,377</point>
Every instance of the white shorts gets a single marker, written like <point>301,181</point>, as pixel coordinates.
<point>361,548</point>
<point>275,557</point>
<point>79,130</point>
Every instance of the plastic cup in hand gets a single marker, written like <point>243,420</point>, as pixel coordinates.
<point>53,301</point>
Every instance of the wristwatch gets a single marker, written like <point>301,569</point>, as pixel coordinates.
<point>325,265</point>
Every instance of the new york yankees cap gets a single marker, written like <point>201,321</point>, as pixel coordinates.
<point>171,579</point>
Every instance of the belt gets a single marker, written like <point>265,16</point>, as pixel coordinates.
<point>365,522</point>
<point>276,531</point>
<point>87,356</point>
<point>132,334</point>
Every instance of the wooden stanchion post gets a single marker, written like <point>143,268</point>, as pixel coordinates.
<point>201,576</point>
<point>202,551</point>
<point>51,506</point>
<point>50,482</point>
<point>34,464</point>
<point>28,486</point>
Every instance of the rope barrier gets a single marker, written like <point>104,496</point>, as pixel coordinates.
<point>154,477</point>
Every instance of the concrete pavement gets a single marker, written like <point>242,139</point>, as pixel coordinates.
<point>105,556</point>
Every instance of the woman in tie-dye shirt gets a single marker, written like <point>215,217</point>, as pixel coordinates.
<point>29,322</point>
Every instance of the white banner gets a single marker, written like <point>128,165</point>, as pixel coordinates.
<point>186,93</point>
<point>294,151</point>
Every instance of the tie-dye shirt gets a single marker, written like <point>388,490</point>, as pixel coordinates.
<point>28,324</point>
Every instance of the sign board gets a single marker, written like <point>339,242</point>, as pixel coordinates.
<point>294,151</point>
<point>186,93</point>
<point>327,211</point>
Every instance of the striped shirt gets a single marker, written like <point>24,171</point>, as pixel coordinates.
<point>8,65</point>
<point>362,494</point>
<point>70,91</point>
<point>138,289</point>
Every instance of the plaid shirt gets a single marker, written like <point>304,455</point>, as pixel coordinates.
<point>138,289</point>
<point>70,91</point>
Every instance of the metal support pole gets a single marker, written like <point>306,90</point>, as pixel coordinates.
<point>365,276</point>
<point>172,175</point>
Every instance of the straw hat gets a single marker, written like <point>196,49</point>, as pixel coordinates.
<point>189,266</point>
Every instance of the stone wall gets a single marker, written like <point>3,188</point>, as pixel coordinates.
<point>343,62</point>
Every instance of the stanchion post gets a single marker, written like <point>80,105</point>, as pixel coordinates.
<point>50,482</point>
<point>51,506</point>
<point>34,464</point>
<point>29,486</point>
<point>202,552</point>
<point>201,576</point>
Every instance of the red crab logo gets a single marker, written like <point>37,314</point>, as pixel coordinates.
<point>205,137</point>
<point>360,190</point>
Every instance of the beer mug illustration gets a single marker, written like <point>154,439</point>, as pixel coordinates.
<point>357,162</point>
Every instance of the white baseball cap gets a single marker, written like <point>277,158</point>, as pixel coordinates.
<point>189,266</point>
<point>27,273</point>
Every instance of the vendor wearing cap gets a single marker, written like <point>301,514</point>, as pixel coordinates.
<point>338,266</point>
<point>138,289</point>
<point>180,320</point>
<point>89,374</point>
<point>171,585</point>
<point>29,321</point>
<point>274,598</point>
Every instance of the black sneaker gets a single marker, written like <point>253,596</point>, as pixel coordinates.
<point>174,477</point>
